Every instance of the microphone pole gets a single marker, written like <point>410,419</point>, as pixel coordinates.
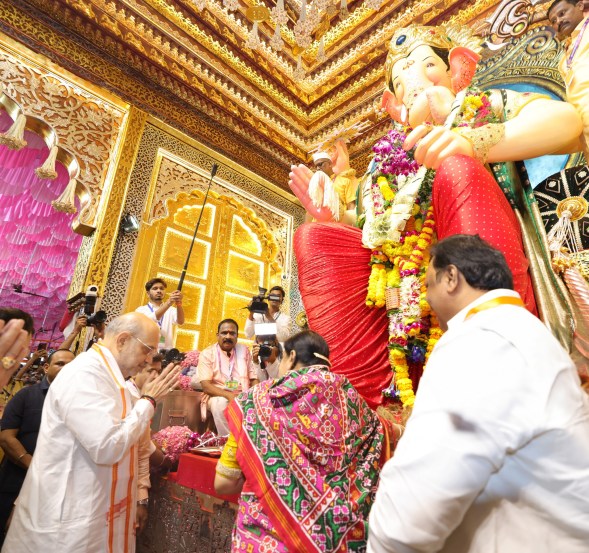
<point>213,173</point>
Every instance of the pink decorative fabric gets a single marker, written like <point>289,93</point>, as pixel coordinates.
<point>38,247</point>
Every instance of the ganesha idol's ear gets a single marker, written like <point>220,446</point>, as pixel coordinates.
<point>463,64</point>
<point>394,107</point>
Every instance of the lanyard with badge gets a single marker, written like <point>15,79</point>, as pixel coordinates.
<point>231,383</point>
<point>159,323</point>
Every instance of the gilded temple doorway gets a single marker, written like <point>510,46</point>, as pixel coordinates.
<point>234,252</point>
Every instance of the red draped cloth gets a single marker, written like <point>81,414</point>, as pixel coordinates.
<point>467,200</point>
<point>334,270</point>
<point>333,276</point>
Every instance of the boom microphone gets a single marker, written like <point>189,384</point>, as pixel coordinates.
<point>213,173</point>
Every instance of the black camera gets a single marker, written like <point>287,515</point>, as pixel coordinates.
<point>90,300</point>
<point>258,304</point>
<point>266,342</point>
<point>172,355</point>
<point>265,351</point>
<point>96,318</point>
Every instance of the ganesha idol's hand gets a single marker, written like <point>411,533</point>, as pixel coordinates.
<point>340,157</point>
<point>300,175</point>
<point>435,144</point>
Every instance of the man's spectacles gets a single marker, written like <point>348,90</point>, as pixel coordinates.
<point>151,350</point>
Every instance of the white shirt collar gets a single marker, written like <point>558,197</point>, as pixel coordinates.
<point>492,294</point>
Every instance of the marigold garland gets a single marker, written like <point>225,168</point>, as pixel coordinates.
<point>402,258</point>
<point>401,266</point>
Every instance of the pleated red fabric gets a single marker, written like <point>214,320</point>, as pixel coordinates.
<point>333,277</point>
<point>468,200</point>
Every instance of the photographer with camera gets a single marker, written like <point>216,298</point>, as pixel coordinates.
<point>266,354</point>
<point>96,321</point>
<point>163,312</point>
<point>262,312</point>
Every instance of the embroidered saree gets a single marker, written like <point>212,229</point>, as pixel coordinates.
<point>310,449</point>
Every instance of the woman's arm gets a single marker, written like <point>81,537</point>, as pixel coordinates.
<point>229,479</point>
<point>228,486</point>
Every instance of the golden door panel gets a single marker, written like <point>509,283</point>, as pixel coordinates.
<point>175,247</point>
<point>244,238</point>
<point>234,253</point>
<point>244,273</point>
<point>188,216</point>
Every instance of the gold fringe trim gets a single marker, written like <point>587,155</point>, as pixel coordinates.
<point>47,170</point>
<point>65,202</point>
<point>13,138</point>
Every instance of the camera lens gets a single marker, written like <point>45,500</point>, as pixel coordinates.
<point>265,351</point>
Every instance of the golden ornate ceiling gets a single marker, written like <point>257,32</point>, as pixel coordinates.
<point>186,61</point>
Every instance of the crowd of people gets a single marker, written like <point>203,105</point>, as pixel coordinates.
<point>494,456</point>
<point>96,422</point>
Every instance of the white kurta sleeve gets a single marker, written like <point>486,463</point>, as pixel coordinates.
<point>249,329</point>
<point>283,328</point>
<point>466,419</point>
<point>91,409</point>
<point>146,448</point>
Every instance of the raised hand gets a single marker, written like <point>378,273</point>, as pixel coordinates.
<point>163,384</point>
<point>14,345</point>
<point>300,176</point>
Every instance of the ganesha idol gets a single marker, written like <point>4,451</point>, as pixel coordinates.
<point>430,182</point>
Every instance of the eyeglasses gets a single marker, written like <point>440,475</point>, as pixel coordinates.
<point>151,350</point>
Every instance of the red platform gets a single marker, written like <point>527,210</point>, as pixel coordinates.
<point>198,473</point>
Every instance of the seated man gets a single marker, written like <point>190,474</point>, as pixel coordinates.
<point>224,370</point>
<point>20,427</point>
<point>273,315</point>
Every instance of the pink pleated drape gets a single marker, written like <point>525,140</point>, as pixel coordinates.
<point>38,247</point>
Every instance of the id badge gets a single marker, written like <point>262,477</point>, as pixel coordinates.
<point>162,339</point>
<point>232,385</point>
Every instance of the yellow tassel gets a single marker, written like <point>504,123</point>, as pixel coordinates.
<point>65,202</point>
<point>13,138</point>
<point>47,170</point>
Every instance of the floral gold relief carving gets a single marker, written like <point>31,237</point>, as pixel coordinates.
<point>106,234</point>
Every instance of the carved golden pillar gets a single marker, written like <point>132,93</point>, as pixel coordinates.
<point>113,202</point>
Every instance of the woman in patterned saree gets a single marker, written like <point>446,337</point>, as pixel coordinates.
<point>305,452</point>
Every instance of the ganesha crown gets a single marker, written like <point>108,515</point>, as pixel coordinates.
<point>448,36</point>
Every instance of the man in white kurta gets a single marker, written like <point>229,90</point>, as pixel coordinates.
<point>80,491</point>
<point>162,312</point>
<point>495,457</point>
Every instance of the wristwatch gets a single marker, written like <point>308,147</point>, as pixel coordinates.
<point>143,502</point>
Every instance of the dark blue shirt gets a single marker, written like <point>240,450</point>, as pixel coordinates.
<point>22,412</point>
